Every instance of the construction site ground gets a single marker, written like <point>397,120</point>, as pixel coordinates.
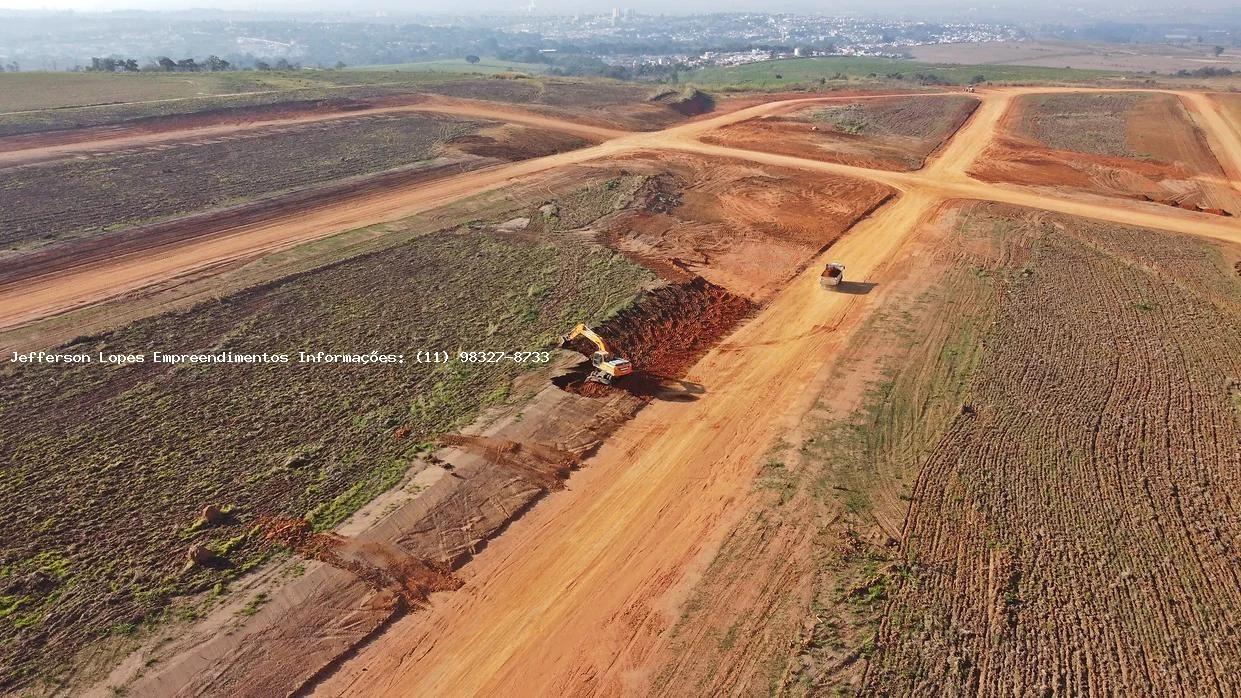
<point>800,494</point>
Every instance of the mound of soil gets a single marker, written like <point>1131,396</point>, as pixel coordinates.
<point>663,335</point>
<point>690,103</point>
<point>381,566</point>
<point>516,143</point>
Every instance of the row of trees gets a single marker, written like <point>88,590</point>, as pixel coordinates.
<point>165,64</point>
<point>112,64</point>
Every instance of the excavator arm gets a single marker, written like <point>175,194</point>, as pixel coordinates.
<point>607,366</point>
<point>581,330</point>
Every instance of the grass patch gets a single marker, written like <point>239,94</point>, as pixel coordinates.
<point>114,454</point>
<point>783,74</point>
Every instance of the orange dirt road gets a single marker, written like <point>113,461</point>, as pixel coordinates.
<point>568,600</point>
<point>575,597</point>
<point>33,298</point>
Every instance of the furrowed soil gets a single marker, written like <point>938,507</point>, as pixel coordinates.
<point>1089,476</point>
<point>1133,145</point>
<point>907,537</point>
<point>46,205</point>
<point>602,102</point>
<point>890,133</point>
<point>116,463</point>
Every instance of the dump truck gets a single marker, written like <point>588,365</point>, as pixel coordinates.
<point>608,366</point>
<point>833,275</point>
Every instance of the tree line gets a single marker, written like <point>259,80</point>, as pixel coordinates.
<point>212,64</point>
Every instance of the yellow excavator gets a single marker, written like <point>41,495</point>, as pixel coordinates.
<point>608,366</point>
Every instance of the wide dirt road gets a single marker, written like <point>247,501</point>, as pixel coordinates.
<point>568,599</point>
<point>574,597</point>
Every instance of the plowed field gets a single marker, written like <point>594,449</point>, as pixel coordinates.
<point>1120,143</point>
<point>1074,529</point>
<point>891,133</point>
<point>46,203</point>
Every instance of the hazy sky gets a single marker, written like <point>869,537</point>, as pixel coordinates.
<point>570,6</point>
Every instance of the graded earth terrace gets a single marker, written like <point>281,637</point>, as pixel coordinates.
<point>997,457</point>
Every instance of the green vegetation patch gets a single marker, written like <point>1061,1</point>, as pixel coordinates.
<point>840,69</point>
<point>57,101</point>
<point>113,464</point>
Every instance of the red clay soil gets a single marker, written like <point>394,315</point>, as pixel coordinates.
<point>898,133</point>
<point>664,335</point>
<point>543,464</point>
<point>749,228</point>
<point>381,566</point>
<point>1180,170</point>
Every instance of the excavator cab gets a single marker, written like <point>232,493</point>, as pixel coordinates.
<point>608,366</point>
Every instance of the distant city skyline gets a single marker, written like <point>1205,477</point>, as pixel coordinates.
<point>878,7</point>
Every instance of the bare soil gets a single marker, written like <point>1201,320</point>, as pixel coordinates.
<point>914,534</point>
<point>1124,144</point>
<point>749,228</point>
<point>891,133</point>
<point>1087,475</point>
<point>113,472</point>
<point>45,203</point>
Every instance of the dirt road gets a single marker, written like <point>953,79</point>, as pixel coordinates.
<point>36,297</point>
<point>26,150</point>
<point>549,609</point>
